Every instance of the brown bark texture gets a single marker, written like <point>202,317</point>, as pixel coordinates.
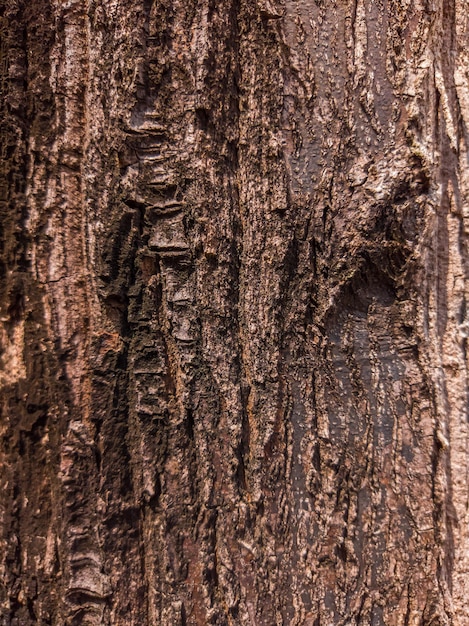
<point>233,312</point>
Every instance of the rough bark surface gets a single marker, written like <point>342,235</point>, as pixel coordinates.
<point>233,312</point>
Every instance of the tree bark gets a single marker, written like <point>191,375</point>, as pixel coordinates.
<point>233,312</point>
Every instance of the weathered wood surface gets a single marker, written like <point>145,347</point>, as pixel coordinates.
<point>233,312</point>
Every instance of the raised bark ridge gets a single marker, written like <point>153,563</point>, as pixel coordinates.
<point>233,312</point>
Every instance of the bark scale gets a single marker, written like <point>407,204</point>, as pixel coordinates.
<point>233,312</point>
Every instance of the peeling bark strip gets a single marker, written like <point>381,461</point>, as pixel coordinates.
<point>233,284</point>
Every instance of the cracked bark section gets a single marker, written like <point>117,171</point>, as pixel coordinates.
<point>233,312</point>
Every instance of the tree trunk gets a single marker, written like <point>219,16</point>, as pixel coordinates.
<point>233,312</point>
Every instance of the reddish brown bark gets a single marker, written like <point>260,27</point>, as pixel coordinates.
<point>233,312</point>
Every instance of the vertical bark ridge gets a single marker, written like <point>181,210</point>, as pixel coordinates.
<point>63,266</point>
<point>28,395</point>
